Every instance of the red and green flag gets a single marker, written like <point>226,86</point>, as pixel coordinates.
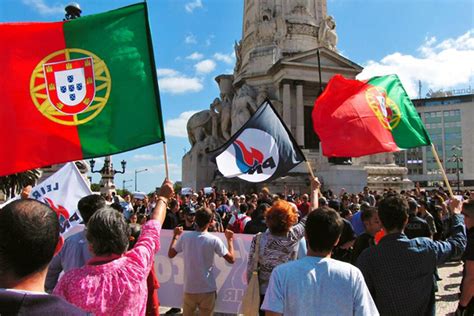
<point>356,118</point>
<point>77,89</point>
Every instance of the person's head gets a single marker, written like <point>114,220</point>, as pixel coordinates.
<point>212,206</point>
<point>280,217</point>
<point>370,218</point>
<point>393,212</point>
<point>204,217</point>
<point>133,218</point>
<point>189,214</point>
<point>135,230</point>
<point>141,219</point>
<point>265,192</point>
<point>243,208</point>
<point>108,232</point>
<point>127,198</point>
<point>412,206</point>
<point>305,198</point>
<point>468,212</point>
<point>366,190</point>
<point>335,205</point>
<point>88,205</point>
<point>323,229</point>
<point>29,238</point>
<point>259,213</point>
<point>174,206</point>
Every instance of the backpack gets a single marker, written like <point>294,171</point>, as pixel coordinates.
<point>239,224</point>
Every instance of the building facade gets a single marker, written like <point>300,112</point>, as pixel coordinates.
<point>449,121</point>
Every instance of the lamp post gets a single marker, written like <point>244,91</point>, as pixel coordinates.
<point>107,174</point>
<point>123,183</point>
<point>138,171</point>
<point>457,158</point>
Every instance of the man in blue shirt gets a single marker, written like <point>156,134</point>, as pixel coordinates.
<point>317,284</point>
<point>399,271</point>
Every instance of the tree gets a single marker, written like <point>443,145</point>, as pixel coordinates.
<point>95,187</point>
<point>12,184</point>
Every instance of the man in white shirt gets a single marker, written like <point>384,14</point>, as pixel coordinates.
<point>317,284</point>
<point>198,248</point>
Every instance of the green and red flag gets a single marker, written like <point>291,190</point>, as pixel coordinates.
<point>356,118</point>
<point>77,89</point>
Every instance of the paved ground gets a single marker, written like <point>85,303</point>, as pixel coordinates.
<point>448,289</point>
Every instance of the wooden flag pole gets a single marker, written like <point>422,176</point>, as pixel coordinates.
<point>435,154</point>
<point>165,155</point>
<point>310,169</point>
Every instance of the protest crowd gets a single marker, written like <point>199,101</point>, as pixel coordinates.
<point>364,254</point>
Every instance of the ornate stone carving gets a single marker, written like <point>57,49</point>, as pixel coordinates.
<point>243,106</point>
<point>327,33</point>
<point>238,55</point>
<point>304,29</point>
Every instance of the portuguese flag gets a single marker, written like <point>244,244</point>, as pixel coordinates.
<point>77,89</point>
<point>356,118</point>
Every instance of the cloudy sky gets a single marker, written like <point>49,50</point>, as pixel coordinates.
<point>431,41</point>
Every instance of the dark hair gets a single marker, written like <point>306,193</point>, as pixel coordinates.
<point>108,232</point>
<point>173,203</point>
<point>393,212</point>
<point>203,217</point>
<point>468,207</point>
<point>88,205</point>
<point>367,213</point>
<point>29,234</point>
<point>135,230</point>
<point>323,228</point>
<point>243,208</point>
<point>259,213</point>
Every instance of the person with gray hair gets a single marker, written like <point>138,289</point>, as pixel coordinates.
<point>75,252</point>
<point>113,282</point>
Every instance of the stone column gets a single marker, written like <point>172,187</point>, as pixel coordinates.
<point>287,105</point>
<point>299,114</point>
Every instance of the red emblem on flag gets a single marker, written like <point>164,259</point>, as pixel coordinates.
<point>70,84</point>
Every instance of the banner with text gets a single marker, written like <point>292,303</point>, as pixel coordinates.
<point>230,278</point>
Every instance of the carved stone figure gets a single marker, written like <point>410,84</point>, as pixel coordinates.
<point>238,55</point>
<point>327,33</point>
<point>199,126</point>
<point>263,95</point>
<point>216,114</point>
<point>243,107</point>
<point>226,109</point>
<point>266,27</point>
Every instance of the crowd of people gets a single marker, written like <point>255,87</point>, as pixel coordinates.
<point>317,252</point>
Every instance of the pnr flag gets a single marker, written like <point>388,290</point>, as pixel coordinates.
<point>62,191</point>
<point>262,150</point>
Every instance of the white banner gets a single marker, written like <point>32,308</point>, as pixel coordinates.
<point>62,190</point>
<point>230,278</point>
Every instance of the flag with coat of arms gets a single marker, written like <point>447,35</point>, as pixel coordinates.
<point>262,150</point>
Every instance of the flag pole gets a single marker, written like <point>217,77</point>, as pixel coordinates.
<point>435,154</point>
<point>165,155</point>
<point>310,169</point>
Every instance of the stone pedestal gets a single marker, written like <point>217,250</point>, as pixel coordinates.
<point>198,170</point>
<point>380,177</point>
<point>337,177</point>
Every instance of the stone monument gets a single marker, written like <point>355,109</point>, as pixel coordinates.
<point>284,45</point>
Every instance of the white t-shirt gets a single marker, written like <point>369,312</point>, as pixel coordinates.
<point>318,286</point>
<point>198,250</point>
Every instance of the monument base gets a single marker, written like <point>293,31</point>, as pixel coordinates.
<point>198,170</point>
<point>337,177</point>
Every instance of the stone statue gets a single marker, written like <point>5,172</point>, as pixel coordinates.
<point>263,95</point>
<point>226,109</point>
<point>327,33</point>
<point>266,27</point>
<point>243,107</point>
<point>215,110</point>
<point>199,127</point>
<point>238,55</point>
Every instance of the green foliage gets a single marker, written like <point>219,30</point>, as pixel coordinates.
<point>12,184</point>
<point>95,187</point>
<point>122,193</point>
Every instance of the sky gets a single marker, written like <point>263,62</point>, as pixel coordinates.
<point>431,41</point>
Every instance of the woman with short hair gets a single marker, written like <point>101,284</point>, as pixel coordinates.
<point>279,244</point>
<point>113,282</point>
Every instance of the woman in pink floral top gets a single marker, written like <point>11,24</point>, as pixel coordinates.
<point>114,281</point>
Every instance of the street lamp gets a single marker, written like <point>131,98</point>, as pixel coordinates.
<point>138,171</point>
<point>457,158</point>
<point>73,11</point>
<point>106,166</point>
<point>123,183</point>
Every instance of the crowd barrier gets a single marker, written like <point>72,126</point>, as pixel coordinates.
<point>230,278</point>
